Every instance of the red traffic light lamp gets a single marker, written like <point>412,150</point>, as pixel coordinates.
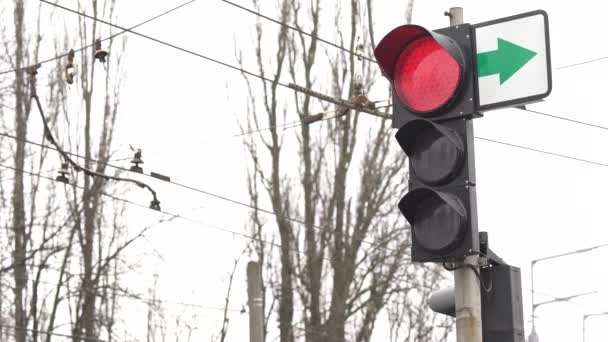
<point>431,72</point>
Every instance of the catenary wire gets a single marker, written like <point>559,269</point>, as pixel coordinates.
<point>49,135</point>
<point>225,64</point>
<point>44,332</point>
<point>201,223</point>
<point>266,79</point>
<point>276,81</point>
<point>151,301</point>
<point>63,55</point>
<point>224,198</point>
<point>279,83</point>
<point>184,218</point>
<point>315,37</point>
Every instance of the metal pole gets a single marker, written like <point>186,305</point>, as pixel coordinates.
<point>589,315</point>
<point>256,310</point>
<point>466,285</point>
<point>533,336</point>
<point>584,319</point>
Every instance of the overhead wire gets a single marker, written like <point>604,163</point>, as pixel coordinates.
<point>313,36</point>
<point>266,79</point>
<point>542,151</point>
<point>276,81</point>
<point>45,332</point>
<point>563,118</point>
<point>218,196</point>
<point>187,51</point>
<point>258,75</point>
<point>581,63</point>
<point>240,203</point>
<point>154,204</point>
<point>65,54</point>
<point>178,216</point>
<point>152,301</point>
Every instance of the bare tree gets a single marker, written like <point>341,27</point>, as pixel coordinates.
<point>344,253</point>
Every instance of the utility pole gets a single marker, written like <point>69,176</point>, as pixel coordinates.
<point>533,337</point>
<point>590,315</point>
<point>466,284</point>
<point>256,309</point>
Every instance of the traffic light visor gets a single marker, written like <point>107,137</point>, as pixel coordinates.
<point>426,68</point>
<point>438,220</point>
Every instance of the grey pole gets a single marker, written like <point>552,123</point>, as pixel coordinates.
<point>466,285</point>
<point>584,319</point>
<point>590,315</point>
<point>533,337</point>
<point>256,309</point>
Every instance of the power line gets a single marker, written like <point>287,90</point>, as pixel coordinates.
<point>169,45</point>
<point>44,332</point>
<point>563,118</point>
<point>104,39</point>
<point>154,204</point>
<point>542,151</point>
<point>228,65</point>
<point>7,135</point>
<point>581,63</point>
<point>116,198</point>
<point>227,199</point>
<point>315,37</point>
<point>224,198</point>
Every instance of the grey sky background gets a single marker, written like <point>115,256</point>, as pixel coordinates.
<point>182,111</point>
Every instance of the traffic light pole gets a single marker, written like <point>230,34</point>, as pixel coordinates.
<point>466,284</point>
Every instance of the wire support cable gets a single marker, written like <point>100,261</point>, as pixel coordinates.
<point>581,63</point>
<point>563,118</point>
<point>154,204</point>
<point>543,151</point>
<point>65,54</point>
<point>313,36</point>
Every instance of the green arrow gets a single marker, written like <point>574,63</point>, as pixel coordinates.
<point>505,61</point>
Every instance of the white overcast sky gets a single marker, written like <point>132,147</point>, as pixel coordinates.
<point>182,111</point>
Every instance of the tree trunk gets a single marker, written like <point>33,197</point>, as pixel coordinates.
<point>18,202</point>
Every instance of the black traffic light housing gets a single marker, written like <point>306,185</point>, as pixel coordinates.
<point>441,206</point>
<point>433,102</point>
<point>502,317</point>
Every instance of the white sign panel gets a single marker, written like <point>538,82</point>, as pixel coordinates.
<point>513,62</point>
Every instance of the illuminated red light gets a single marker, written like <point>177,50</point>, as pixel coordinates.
<point>426,76</point>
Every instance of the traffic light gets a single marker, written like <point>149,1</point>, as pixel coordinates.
<point>501,307</point>
<point>432,82</point>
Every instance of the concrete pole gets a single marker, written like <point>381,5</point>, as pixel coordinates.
<point>468,303</point>
<point>256,309</point>
<point>466,284</point>
<point>456,16</point>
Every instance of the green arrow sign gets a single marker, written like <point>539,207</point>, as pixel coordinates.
<point>505,61</point>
